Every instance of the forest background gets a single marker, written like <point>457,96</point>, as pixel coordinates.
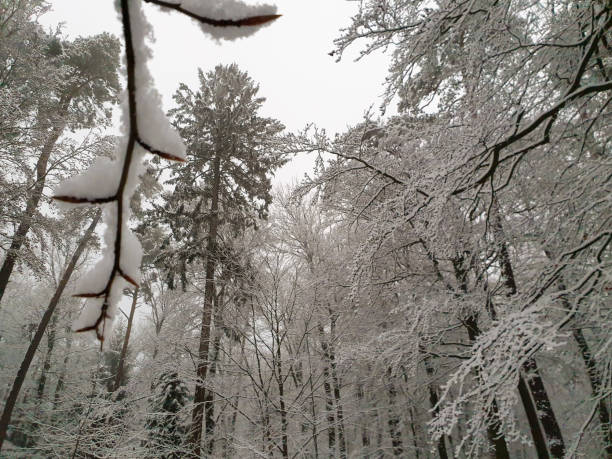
<point>437,285</point>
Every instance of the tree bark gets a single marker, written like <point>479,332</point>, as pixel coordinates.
<point>336,384</point>
<point>532,418</point>
<point>59,387</point>
<point>494,434</point>
<point>594,375</point>
<point>313,407</point>
<point>29,356</point>
<point>126,340</point>
<point>595,380</point>
<point>365,433</point>
<point>209,407</point>
<point>394,420</point>
<point>199,398</point>
<point>42,381</point>
<point>433,400</point>
<point>543,407</point>
<point>281,397</point>
<point>496,438</point>
<point>329,402</point>
<point>32,203</point>
<point>413,430</point>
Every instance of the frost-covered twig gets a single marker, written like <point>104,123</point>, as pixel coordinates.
<point>146,129</point>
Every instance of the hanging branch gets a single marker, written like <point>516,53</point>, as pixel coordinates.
<point>121,195</point>
<point>250,21</point>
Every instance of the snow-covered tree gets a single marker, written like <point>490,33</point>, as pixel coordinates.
<point>166,431</point>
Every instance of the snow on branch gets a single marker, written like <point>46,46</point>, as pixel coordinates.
<point>145,129</point>
<point>228,20</point>
<point>487,381</point>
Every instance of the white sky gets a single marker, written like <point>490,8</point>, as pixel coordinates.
<point>289,60</point>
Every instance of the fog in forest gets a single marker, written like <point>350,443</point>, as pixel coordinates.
<point>309,229</point>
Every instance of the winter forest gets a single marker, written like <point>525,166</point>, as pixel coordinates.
<point>435,282</point>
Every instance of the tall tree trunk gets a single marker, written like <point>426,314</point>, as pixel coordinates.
<point>433,400</point>
<point>595,380</point>
<point>532,376</point>
<point>413,430</point>
<point>532,418</point>
<point>281,396</point>
<point>380,452</point>
<point>496,438</point>
<point>393,422</point>
<point>40,390</point>
<point>32,203</point>
<point>594,375</point>
<point>126,340</point>
<point>199,398</point>
<point>494,433</point>
<point>227,448</point>
<point>59,387</point>
<point>209,407</point>
<point>544,409</point>
<point>313,406</point>
<point>336,384</point>
<point>27,360</point>
<point>365,433</point>
<point>329,402</point>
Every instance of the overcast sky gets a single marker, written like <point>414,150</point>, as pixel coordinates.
<point>289,60</point>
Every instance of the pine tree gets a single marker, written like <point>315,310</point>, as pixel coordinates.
<point>226,183</point>
<point>165,431</point>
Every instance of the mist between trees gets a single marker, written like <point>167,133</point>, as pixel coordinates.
<point>439,285</point>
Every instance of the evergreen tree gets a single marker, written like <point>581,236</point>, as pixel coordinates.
<point>165,432</point>
<point>226,183</point>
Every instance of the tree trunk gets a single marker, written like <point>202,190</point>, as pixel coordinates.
<point>394,420</point>
<point>365,433</point>
<point>329,402</point>
<point>313,406</point>
<point>496,438</point>
<point>31,204</point>
<point>380,452</point>
<point>413,430</point>
<point>532,417</point>
<point>433,400</point>
<point>42,381</point>
<point>494,434</point>
<point>336,384</point>
<point>595,380</point>
<point>209,407</point>
<point>199,398</point>
<point>543,407</point>
<point>281,398</point>
<point>119,376</point>
<point>27,360</point>
<point>59,387</point>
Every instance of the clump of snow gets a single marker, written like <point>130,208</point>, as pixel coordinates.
<point>99,181</point>
<point>227,9</point>
<point>153,125</point>
<point>131,254</point>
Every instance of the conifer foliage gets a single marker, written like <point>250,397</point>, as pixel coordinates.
<point>164,427</point>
